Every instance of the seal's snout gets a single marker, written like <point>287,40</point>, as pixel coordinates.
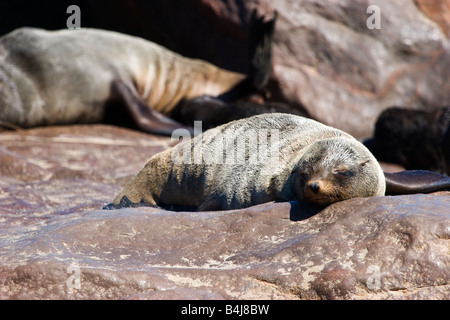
<point>321,192</point>
<point>314,186</point>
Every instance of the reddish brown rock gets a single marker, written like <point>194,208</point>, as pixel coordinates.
<point>438,11</point>
<point>360,249</point>
<point>345,74</point>
<point>56,243</point>
<point>61,170</point>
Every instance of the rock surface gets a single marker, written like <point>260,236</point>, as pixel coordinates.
<point>56,243</point>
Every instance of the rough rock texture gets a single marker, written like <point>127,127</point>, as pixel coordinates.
<point>56,243</point>
<point>56,171</point>
<point>345,73</point>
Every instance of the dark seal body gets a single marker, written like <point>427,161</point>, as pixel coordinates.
<point>414,139</point>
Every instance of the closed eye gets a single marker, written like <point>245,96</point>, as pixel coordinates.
<point>343,172</point>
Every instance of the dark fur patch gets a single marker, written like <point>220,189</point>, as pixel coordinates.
<point>414,139</point>
<point>126,203</point>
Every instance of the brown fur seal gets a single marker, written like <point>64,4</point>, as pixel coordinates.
<point>415,139</point>
<point>269,157</point>
<point>81,76</point>
<point>282,158</point>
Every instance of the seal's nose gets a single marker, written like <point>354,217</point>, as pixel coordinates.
<point>314,187</point>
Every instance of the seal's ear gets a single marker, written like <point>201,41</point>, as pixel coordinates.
<point>415,181</point>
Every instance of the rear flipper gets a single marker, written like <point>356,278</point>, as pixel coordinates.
<point>144,116</point>
<point>260,49</point>
<point>214,112</point>
<point>260,42</point>
<point>415,181</point>
<point>126,203</point>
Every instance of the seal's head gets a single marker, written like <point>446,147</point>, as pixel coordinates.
<point>336,169</point>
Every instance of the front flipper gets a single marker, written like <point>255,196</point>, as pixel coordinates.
<point>144,116</point>
<point>415,181</point>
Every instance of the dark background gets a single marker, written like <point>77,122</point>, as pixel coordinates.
<point>188,27</point>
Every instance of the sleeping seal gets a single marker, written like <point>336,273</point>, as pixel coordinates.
<point>83,76</point>
<point>269,157</point>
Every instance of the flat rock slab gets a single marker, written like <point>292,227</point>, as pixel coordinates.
<point>60,170</point>
<point>57,243</point>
